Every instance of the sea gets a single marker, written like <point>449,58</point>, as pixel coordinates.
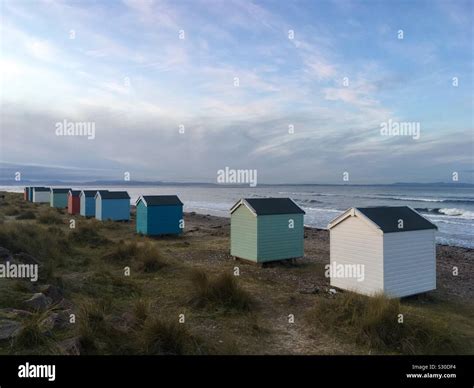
<point>450,208</point>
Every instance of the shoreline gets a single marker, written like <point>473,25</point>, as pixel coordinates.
<point>309,227</point>
<point>456,235</point>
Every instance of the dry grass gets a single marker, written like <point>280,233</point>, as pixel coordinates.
<point>27,215</point>
<point>30,334</point>
<point>141,310</point>
<point>91,325</point>
<point>50,217</point>
<point>222,291</point>
<point>146,258</point>
<point>34,240</point>
<point>121,252</point>
<point>86,234</point>
<point>375,322</point>
<point>160,337</point>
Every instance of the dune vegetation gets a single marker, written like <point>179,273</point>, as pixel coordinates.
<point>103,289</point>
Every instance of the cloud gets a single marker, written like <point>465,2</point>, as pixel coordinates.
<point>49,77</point>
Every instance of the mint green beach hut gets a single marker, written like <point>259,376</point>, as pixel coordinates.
<point>266,229</point>
<point>58,197</point>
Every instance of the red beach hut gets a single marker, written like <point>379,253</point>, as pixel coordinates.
<point>73,202</point>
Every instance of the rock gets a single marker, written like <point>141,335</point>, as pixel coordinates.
<point>71,346</point>
<point>8,329</point>
<point>5,254</point>
<point>53,292</point>
<point>54,321</point>
<point>38,302</point>
<point>25,258</point>
<point>312,290</point>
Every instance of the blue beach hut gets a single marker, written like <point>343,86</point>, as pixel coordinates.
<point>87,200</point>
<point>159,215</point>
<point>112,205</point>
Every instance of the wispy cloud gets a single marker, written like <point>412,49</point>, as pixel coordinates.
<point>237,81</point>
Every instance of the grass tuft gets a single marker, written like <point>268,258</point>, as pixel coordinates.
<point>222,291</point>
<point>34,240</point>
<point>141,310</point>
<point>50,218</point>
<point>87,235</point>
<point>122,252</point>
<point>91,325</point>
<point>160,337</point>
<point>147,258</point>
<point>375,322</point>
<point>30,334</point>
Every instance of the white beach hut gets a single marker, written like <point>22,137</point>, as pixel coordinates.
<point>388,250</point>
<point>41,194</point>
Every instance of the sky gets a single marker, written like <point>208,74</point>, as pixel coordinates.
<point>297,90</point>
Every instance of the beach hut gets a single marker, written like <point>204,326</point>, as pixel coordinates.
<point>112,205</point>
<point>41,194</point>
<point>159,215</point>
<point>73,202</point>
<point>389,250</point>
<point>30,194</point>
<point>58,197</point>
<point>26,193</point>
<point>266,229</point>
<point>87,202</point>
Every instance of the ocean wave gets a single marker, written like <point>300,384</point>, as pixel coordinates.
<point>451,212</point>
<point>306,201</point>
<point>390,197</point>
<point>422,199</point>
<point>321,209</point>
<point>312,193</point>
<point>305,193</point>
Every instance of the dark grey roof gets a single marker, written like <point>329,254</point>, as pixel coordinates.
<point>89,193</point>
<point>114,194</point>
<point>75,193</point>
<point>387,217</point>
<point>40,188</point>
<point>162,200</point>
<point>267,206</point>
<point>60,190</point>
